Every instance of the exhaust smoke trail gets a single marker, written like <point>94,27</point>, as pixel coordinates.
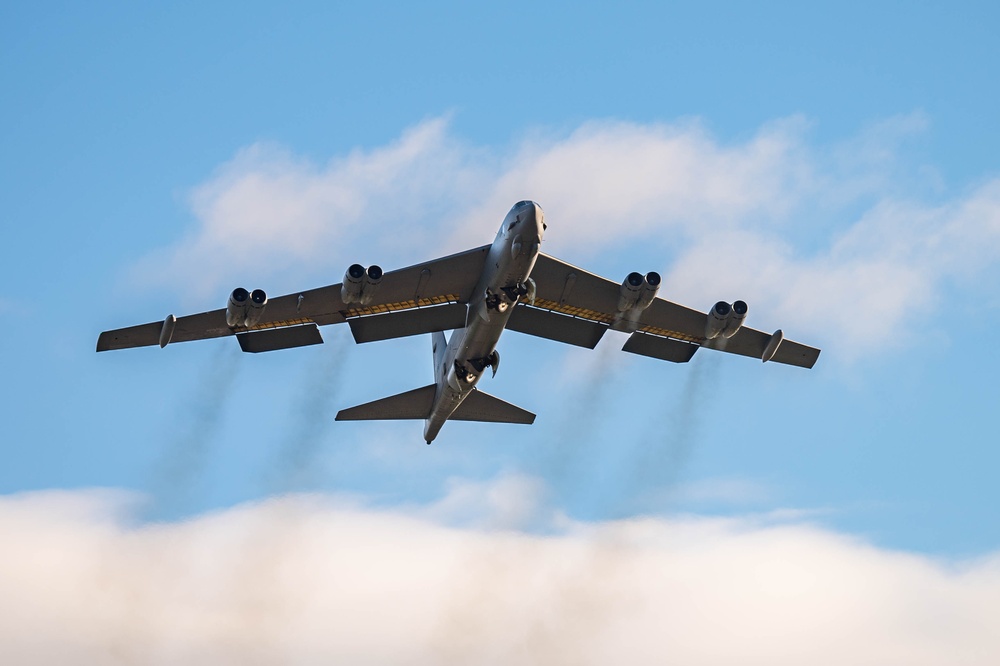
<point>668,445</point>
<point>568,462</point>
<point>311,417</point>
<point>194,430</point>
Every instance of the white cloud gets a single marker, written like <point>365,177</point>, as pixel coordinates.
<point>827,241</point>
<point>309,579</point>
<point>512,501</point>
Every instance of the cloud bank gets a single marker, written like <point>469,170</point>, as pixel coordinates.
<point>843,244</point>
<point>313,579</point>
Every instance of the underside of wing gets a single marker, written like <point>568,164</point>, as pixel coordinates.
<point>441,282</point>
<point>553,325</point>
<point>661,329</point>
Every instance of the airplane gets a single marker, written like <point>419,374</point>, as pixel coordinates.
<point>477,294</point>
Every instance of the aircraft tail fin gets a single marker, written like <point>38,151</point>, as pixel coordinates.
<point>481,406</point>
<point>415,404</point>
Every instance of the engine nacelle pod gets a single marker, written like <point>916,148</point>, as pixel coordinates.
<point>360,284</point>
<point>354,279</point>
<point>236,308</point>
<point>373,278</point>
<point>650,285</point>
<point>736,317</point>
<point>718,317</point>
<point>258,301</point>
<point>630,291</point>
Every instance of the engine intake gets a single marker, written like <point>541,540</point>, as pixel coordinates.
<point>245,308</point>
<point>717,318</point>
<point>373,278</point>
<point>650,285</point>
<point>258,301</point>
<point>630,291</point>
<point>725,320</point>
<point>350,290</point>
<point>736,318</point>
<point>236,308</point>
<point>360,284</point>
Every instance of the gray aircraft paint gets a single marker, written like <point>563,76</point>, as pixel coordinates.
<point>508,264</point>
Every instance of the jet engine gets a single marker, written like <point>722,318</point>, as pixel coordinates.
<point>650,285</point>
<point>245,308</point>
<point>725,320</point>
<point>736,318</point>
<point>630,291</point>
<point>258,300</point>
<point>236,308</point>
<point>354,280</point>
<point>360,284</point>
<point>718,316</point>
<point>373,278</point>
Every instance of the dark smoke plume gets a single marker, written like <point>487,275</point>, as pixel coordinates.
<point>310,419</point>
<point>194,430</point>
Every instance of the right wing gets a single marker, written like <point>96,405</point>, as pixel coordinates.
<point>441,282</point>
<point>575,306</point>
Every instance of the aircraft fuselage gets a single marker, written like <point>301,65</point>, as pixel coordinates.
<point>472,349</point>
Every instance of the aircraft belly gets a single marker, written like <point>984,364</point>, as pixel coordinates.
<point>478,340</point>
<point>445,404</point>
<point>481,335</point>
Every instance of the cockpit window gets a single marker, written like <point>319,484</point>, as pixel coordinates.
<point>522,203</point>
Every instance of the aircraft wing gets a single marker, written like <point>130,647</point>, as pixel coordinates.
<point>575,306</point>
<point>429,291</point>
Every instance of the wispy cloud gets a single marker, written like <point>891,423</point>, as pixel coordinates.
<point>844,244</point>
<point>307,579</point>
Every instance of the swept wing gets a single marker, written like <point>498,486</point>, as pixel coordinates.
<point>430,288</point>
<point>575,306</point>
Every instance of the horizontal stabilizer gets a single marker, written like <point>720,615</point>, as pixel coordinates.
<point>402,323</point>
<point>415,404</point>
<point>272,339</point>
<point>479,406</point>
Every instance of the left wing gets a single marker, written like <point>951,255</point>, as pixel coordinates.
<point>575,306</point>
<point>291,320</point>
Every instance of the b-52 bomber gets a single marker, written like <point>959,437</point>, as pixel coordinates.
<point>476,294</point>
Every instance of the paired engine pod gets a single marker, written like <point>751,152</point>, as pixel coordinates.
<point>725,320</point>
<point>245,308</point>
<point>360,284</point>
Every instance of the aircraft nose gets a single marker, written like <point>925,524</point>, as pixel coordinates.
<point>539,221</point>
<point>532,220</point>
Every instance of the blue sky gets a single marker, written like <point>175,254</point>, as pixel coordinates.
<point>835,166</point>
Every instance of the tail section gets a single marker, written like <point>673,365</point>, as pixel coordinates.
<point>415,404</point>
<point>418,403</point>
<point>480,406</point>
